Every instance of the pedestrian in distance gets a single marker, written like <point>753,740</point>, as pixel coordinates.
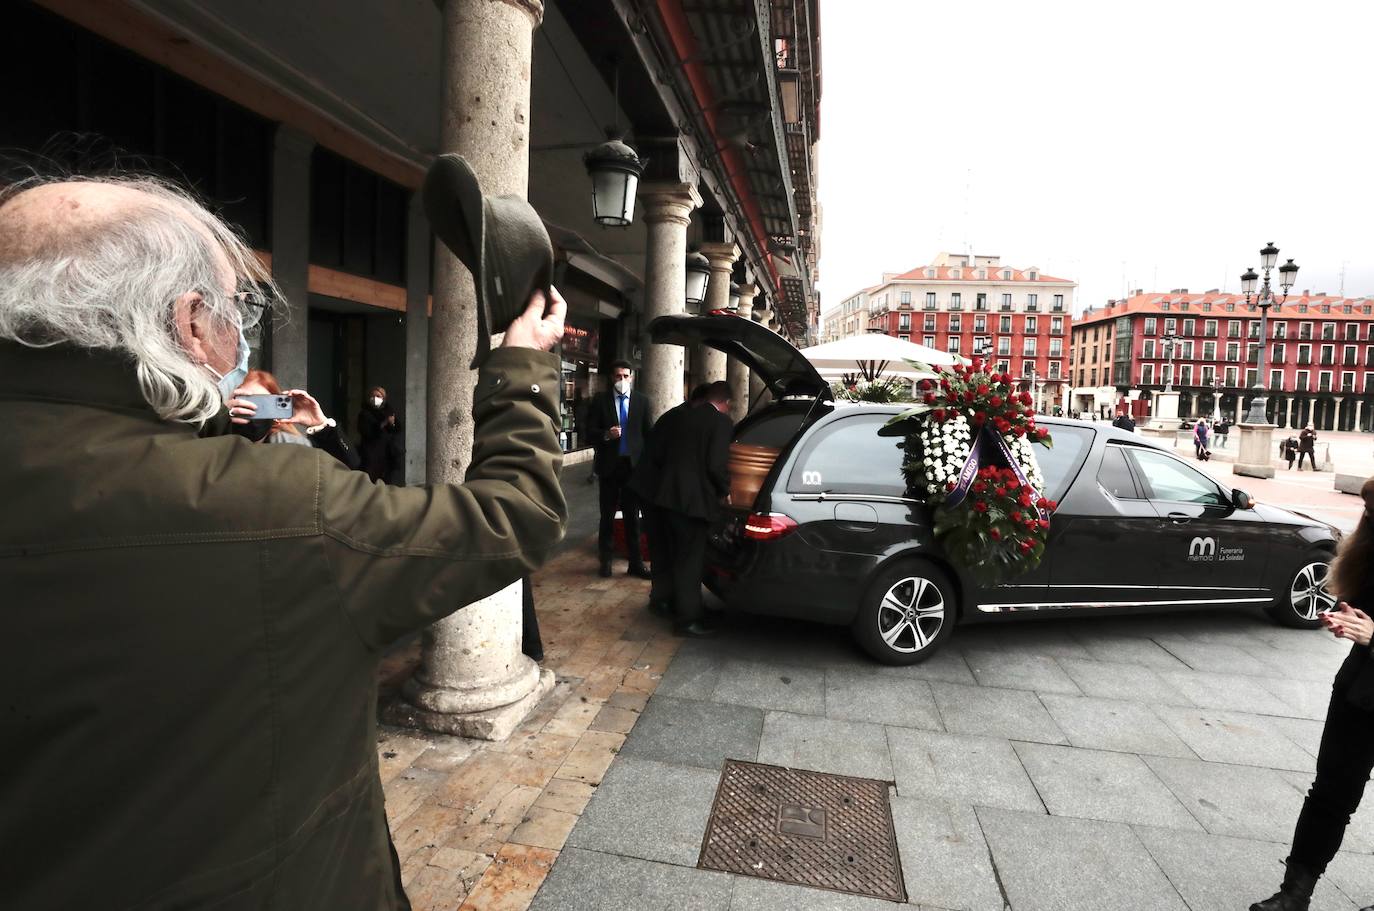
<point>644,482</point>
<point>318,430</point>
<point>379,438</point>
<point>1222,431</point>
<point>618,423</point>
<point>1346,755</point>
<point>1307,447</point>
<point>1288,449</point>
<point>194,622</point>
<point>1125,422</point>
<point>694,477</point>
<point>1200,440</point>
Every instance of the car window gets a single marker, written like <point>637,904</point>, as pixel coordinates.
<point>848,456</point>
<point>1115,475</point>
<point>1058,465</point>
<point>1166,478</point>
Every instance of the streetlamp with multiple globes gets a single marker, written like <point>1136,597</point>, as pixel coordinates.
<point>1170,343</point>
<point>1264,298</point>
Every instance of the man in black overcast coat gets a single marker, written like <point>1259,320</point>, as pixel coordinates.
<point>618,424</point>
<point>693,479</point>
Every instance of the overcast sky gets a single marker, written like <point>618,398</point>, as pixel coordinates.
<point>1145,145</point>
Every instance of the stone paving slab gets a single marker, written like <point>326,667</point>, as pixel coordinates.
<point>594,881</point>
<point>1049,863</point>
<point>947,666</point>
<point>961,769</point>
<point>1013,714</point>
<point>1243,801</point>
<point>1236,737</point>
<point>1121,680</point>
<point>1229,692</point>
<point>695,733</point>
<point>860,695</point>
<point>1233,873</point>
<point>944,857</point>
<point>763,685</point>
<point>1126,648</point>
<point>650,810</point>
<point>1093,784</point>
<point>1114,724</point>
<point>1013,670</point>
<point>752,894</point>
<point>825,745</point>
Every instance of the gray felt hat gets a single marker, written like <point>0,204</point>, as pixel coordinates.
<point>500,239</point>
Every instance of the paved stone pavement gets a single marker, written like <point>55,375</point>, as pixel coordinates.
<point>1095,764</point>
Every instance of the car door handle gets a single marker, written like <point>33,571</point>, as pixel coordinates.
<point>1180,518</point>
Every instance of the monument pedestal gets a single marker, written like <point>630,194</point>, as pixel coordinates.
<point>1255,459</point>
<point>1163,423</point>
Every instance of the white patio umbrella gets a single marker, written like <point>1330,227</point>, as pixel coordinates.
<point>873,355</point>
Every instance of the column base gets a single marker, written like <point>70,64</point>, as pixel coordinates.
<point>488,724</point>
<point>1255,459</point>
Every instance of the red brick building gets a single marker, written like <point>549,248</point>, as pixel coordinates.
<point>1020,318</point>
<point>1319,362</point>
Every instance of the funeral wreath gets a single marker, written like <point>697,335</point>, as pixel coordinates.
<point>969,454</point>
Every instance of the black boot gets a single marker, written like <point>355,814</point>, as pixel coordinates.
<point>1294,894</point>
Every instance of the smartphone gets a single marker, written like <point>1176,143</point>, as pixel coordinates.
<point>269,407</point>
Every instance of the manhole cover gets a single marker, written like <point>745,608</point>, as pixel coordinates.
<point>827,831</point>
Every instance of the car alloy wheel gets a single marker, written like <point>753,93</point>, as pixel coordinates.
<point>908,610</point>
<point>1307,595</point>
<point>911,614</point>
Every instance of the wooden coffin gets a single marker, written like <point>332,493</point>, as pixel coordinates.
<point>749,465</point>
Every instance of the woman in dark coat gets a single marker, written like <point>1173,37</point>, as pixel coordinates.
<point>1346,756</point>
<point>379,437</point>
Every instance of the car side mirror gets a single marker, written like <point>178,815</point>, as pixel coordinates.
<point>1241,500</point>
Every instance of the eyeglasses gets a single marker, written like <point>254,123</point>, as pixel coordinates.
<point>252,298</point>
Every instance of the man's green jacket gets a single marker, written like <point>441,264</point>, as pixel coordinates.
<point>192,627</point>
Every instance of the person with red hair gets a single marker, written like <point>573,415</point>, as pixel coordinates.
<point>320,431</point>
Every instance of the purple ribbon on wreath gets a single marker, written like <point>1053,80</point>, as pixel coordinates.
<point>1000,452</point>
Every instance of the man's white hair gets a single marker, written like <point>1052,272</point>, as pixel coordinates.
<point>111,285</point>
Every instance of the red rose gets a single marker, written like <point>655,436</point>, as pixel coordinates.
<point>944,383</point>
<point>1042,502</point>
<point>980,506</point>
<point>1019,430</point>
<point>938,414</point>
<point>979,486</point>
<point>1052,505</point>
<point>996,535</point>
<point>1044,523</point>
<point>977,364</point>
<point>980,416</point>
<point>949,485</point>
<point>1003,425</point>
<point>1000,491</point>
<point>968,395</point>
<point>1025,500</point>
<point>925,385</point>
<point>1025,398</point>
<point>995,401</point>
<point>929,398</point>
<point>1025,547</point>
<point>1013,484</point>
<point>1016,515</point>
<point>983,389</point>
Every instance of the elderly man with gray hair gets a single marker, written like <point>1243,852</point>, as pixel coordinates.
<point>192,623</point>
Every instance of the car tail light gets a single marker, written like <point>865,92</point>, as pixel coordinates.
<point>767,526</point>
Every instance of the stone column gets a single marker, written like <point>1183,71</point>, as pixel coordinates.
<point>291,150</point>
<point>667,209</point>
<point>736,372</point>
<point>1359,414</point>
<point>1288,413</point>
<point>1337,424</point>
<point>722,258</point>
<point>417,337</point>
<point>474,680</point>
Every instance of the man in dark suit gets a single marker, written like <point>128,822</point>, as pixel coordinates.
<point>693,478</point>
<point>644,483</point>
<point>618,424</point>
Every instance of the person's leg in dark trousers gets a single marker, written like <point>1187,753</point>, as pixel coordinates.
<point>1344,762</point>
<point>660,571</point>
<point>1311,459</point>
<point>609,497</point>
<point>629,509</point>
<point>688,541</point>
<point>530,644</point>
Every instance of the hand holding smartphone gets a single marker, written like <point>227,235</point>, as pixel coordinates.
<point>268,407</point>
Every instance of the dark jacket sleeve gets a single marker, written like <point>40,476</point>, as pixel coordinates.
<point>596,420</point>
<point>404,557</point>
<point>331,441</point>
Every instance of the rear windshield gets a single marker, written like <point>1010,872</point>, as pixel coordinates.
<point>848,456</point>
<point>775,427</point>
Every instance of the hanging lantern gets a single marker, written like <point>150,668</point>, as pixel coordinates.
<point>615,169</point>
<point>698,273</point>
<point>734,296</point>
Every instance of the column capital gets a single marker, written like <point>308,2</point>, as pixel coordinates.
<point>533,8</point>
<point>665,201</point>
<point>722,256</point>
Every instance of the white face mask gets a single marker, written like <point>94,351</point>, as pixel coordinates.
<point>622,387</point>
<point>376,401</point>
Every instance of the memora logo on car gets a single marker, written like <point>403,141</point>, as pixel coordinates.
<point>1206,550</point>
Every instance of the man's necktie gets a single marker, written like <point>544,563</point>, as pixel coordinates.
<point>624,440</point>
